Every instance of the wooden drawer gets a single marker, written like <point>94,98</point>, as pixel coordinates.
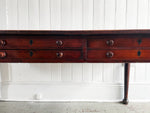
<point>114,43</point>
<point>118,55</point>
<point>50,55</point>
<point>39,42</point>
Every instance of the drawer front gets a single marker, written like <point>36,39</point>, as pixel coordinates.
<point>51,55</point>
<point>118,55</point>
<point>39,43</point>
<point>108,43</point>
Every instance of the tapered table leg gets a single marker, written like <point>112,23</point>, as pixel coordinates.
<point>126,82</point>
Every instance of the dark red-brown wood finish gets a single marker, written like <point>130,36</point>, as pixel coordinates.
<point>116,46</point>
<point>126,82</point>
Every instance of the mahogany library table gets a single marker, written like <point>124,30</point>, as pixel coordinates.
<point>100,46</point>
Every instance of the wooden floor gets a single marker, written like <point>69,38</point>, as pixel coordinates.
<point>72,107</point>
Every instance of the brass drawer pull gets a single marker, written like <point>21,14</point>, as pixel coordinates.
<point>2,54</point>
<point>110,42</point>
<point>59,43</point>
<point>110,54</point>
<point>2,42</point>
<point>59,54</point>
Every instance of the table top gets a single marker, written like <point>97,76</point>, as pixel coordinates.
<point>73,32</point>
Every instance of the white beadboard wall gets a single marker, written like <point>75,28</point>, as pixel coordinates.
<point>73,81</point>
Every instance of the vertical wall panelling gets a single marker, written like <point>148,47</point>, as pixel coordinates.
<point>5,72</point>
<point>142,14</point>
<point>23,14</point>
<point>66,74</point>
<point>12,16</point>
<point>56,72</point>
<point>45,72</point>
<point>98,14</point>
<point>108,72</point>
<point>29,71</point>
<point>87,14</point>
<point>148,14</point>
<point>76,15</point>
<point>131,22</point>
<point>34,14</point>
<point>19,76</point>
<point>44,10</point>
<point>140,70</point>
<point>77,72</point>
<point>87,72</point>
<point>66,14</point>
<point>3,19</point>
<point>110,14</point>
<point>120,22</point>
<point>55,7</point>
<point>132,73</point>
<point>97,72</point>
<point>118,72</point>
<point>147,72</point>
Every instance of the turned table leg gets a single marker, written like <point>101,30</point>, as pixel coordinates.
<point>126,82</point>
